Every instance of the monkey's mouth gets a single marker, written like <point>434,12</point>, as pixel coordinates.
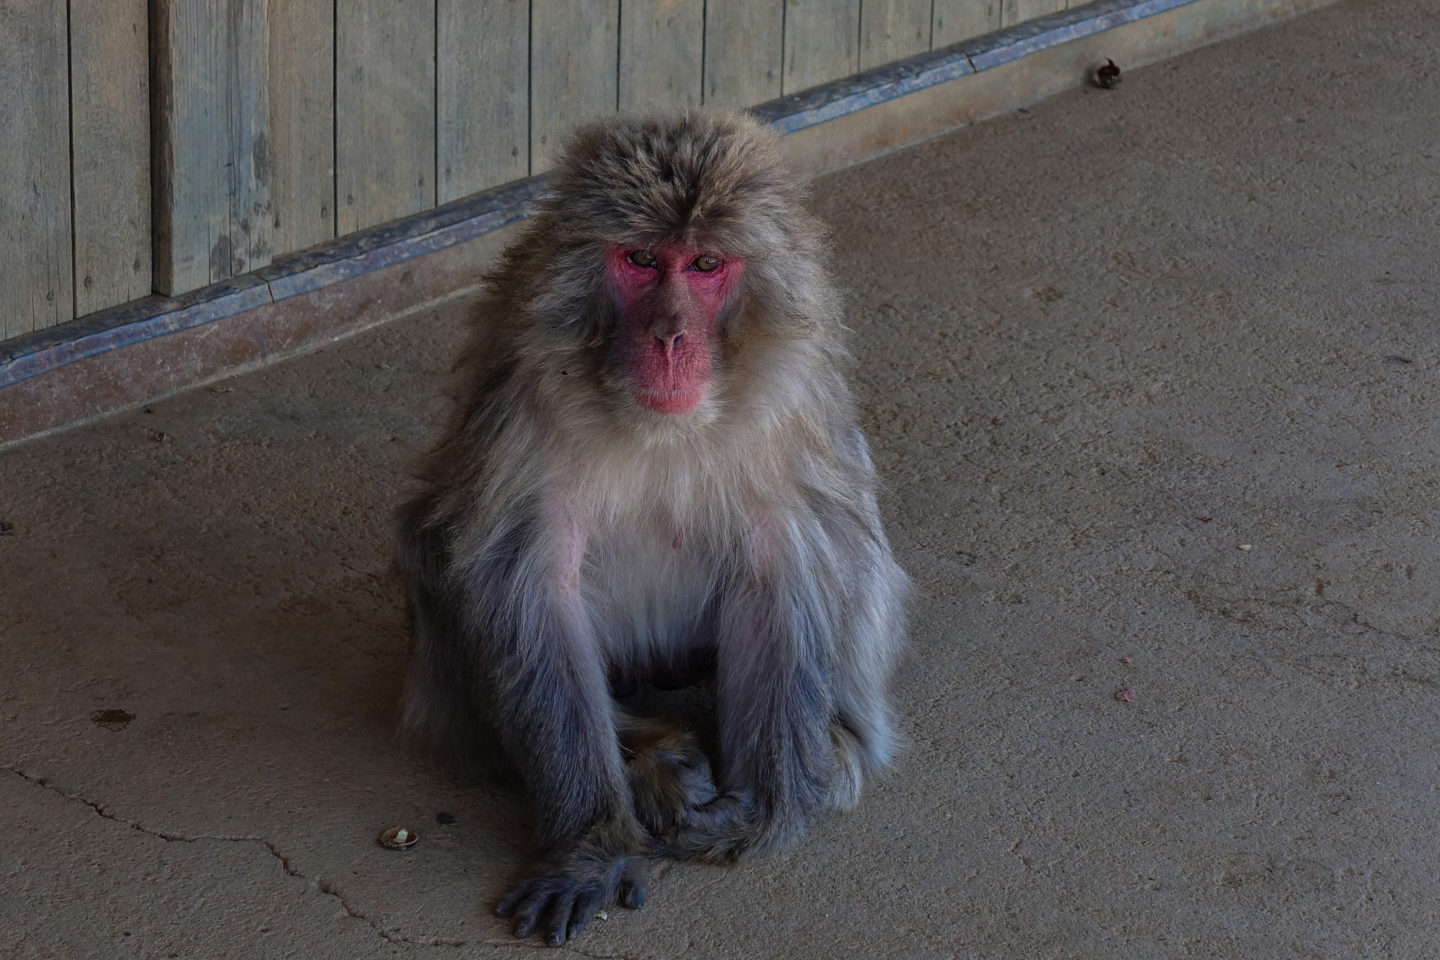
<point>671,402</point>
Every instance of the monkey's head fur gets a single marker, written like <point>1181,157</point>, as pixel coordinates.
<point>665,245</point>
<point>694,177</point>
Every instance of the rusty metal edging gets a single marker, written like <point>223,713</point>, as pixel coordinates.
<point>360,253</point>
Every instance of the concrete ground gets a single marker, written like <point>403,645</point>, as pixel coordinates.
<point>1151,374</point>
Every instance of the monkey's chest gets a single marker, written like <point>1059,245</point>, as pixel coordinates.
<point>651,596</point>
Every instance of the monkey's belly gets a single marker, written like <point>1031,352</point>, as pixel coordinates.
<point>652,609</point>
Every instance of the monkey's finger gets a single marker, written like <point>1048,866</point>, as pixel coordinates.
<point>525,924</point>
<point>632,893</point>
<point>732,806</point>
<point>586,906</point>
<point>505,909</point>
<point>558,917</point>
<point>526,904</point>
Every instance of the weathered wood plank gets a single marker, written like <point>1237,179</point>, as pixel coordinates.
<point>744,48</point>
<point>482,60</point>
<point>384,110</point>
<point>822,42</point>
<point>110,127</point>
<point>662,46</point>
<point>1018,11</point>
<point>302,122</point>
<point>956,20</point>
<point>892,30</point>
<point>210,106</point>
<point>35,267</point>
<point>573,70</point>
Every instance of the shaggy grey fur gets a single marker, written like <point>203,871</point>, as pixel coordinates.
<point>566,542</point>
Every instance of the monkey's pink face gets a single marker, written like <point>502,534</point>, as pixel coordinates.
<point>671,299</point>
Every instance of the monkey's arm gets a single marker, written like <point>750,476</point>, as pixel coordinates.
<point>558,729</point>
<point>807,637</point>
<point>523,632</point>
<point>775,706</point>
<point>776,700</point>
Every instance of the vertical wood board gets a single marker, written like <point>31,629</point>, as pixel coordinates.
<point>110,131</point>
<point>210,153</point>
<point>35,262</point>
<point>483,90</point>
<point>661,54</point>
<point>822,42</point>
<point>573,70</point>
<point>744,49</point>
<point>302,122</point>
<point>1018,11</point>
<point>892,30</point>
<point>957,20</point>
<point>384,110</point>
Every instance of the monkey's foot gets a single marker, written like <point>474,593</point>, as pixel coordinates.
<point>560,900</point>
<point>716,832</point>
<point>669,778</point>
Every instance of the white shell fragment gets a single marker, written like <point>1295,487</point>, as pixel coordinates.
<point>399,838</point>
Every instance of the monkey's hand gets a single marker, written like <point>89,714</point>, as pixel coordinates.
<point>571,886</point>
<point>715,832</point>
<point>669,780</point>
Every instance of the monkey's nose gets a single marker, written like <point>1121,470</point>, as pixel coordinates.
<point>668,345</point>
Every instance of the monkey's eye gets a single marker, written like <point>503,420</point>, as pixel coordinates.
<point>642,258</point>
<point>705,263</point>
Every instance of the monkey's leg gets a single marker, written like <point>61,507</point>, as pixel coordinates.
<point>668,772</point>
<point>867,643</point>
<point>438,707</point>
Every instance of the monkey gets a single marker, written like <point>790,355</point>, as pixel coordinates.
<point>654,474</point>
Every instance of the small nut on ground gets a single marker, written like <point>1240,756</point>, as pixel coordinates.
<point>399,838</point>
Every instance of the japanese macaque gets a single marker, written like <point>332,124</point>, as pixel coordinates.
<point>654,475</point>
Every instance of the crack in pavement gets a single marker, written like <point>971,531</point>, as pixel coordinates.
<point>598,956</point>
<point>1288,604</point>
<point>1362,622</point>
<point>324,886</point>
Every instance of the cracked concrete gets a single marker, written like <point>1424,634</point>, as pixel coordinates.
<point>1151,374</point>
<point>324,886</point>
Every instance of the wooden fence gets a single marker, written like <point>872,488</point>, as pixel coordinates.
<point>166,145</point>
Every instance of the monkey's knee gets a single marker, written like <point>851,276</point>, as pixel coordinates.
<point>669,776</point>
